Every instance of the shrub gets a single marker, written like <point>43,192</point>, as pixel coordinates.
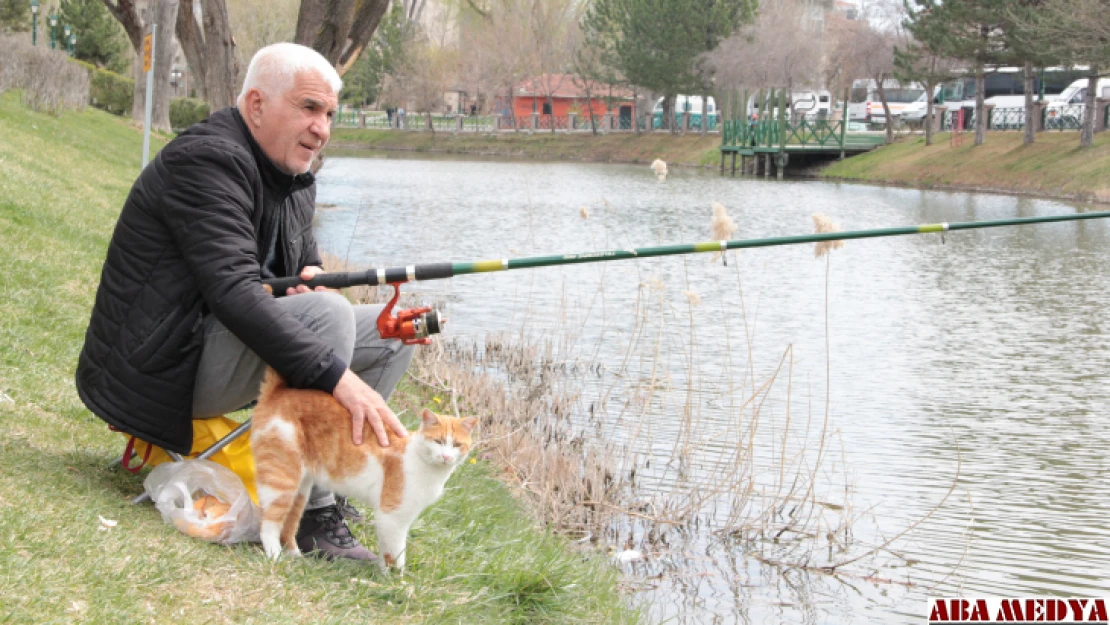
<point>108,90</point>
<point>49,83</point>
<point>185,112</point>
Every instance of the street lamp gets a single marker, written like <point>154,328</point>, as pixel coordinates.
<point>53,34</point>
<point>34,22</point>
<point>73,44</point>
<point>65,40</point>
<point>175,78</point>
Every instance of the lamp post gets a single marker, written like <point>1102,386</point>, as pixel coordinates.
<point>53,33</point>
<point>73,44</point>
<point>175,78</point>
<point>34,22</point>
<point>65,40</point>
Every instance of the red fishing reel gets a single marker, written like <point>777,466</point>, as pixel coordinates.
<point>413,326</point>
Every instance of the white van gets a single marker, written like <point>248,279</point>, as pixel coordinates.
<point>1066,109</point>
<point>813,104</point>
<point>864,103</point>
<point>695,105</point>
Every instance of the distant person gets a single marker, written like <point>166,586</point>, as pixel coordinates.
<point>473,110</point>
<point>182,329</point>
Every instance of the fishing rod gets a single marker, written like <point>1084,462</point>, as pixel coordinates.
<point>417,324</point>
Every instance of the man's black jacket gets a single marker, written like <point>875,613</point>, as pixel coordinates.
<point>192,236</point>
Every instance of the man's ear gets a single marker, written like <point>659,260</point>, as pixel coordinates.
<point>252,105</point>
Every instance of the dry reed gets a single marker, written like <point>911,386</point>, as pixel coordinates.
<point>659,166</point>
<point>822,225</point>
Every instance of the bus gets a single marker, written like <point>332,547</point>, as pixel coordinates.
<point>1005,88</point>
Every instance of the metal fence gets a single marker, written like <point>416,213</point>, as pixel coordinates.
<point>1063,117</point>
<point>1053,117</point>
<point>1007,119</point>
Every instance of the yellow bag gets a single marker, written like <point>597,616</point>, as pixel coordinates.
<point>236,456</point>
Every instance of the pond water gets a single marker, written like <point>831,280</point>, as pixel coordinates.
<point>939,407</point>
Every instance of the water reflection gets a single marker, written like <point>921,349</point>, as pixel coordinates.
<point>984,351</point>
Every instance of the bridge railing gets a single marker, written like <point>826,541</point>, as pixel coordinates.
<point>819,133</point>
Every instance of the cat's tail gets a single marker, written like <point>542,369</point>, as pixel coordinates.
<point>271,383</point>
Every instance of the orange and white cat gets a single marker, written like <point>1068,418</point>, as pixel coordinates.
<point>302,438</point>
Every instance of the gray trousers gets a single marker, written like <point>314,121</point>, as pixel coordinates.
<point>230,373</point>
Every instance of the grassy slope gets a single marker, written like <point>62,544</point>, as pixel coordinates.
<point>1055,165</point>
<point>690,149</point>
<point>474,556</point>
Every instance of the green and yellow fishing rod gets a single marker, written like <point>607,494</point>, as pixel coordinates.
<point>415,325</point>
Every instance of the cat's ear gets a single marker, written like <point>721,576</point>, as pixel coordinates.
<point>429,419</point>
<point>469,423</point>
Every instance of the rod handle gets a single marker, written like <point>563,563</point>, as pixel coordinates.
<point>329,280</point>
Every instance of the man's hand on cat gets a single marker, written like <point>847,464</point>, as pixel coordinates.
<point>366,406</point>
<point>309,272</point>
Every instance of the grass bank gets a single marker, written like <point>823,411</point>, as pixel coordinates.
<point>476,557</point>
<point>1054,166</point>
<point>691,149</point>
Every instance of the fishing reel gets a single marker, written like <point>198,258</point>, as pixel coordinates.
<point>412,326</point>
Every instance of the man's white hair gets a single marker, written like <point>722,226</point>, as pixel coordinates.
<point>273,68</point>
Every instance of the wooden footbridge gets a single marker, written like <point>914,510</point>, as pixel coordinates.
<point>773,139</point>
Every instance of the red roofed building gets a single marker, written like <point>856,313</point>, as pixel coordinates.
<point>561,94</point>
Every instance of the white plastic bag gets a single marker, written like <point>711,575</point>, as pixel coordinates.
<point>205,500</point>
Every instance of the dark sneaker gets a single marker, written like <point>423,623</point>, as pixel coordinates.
<point>324,533</point>
<point>349,512</point>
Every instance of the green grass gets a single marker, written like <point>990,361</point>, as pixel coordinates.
<point>1054,165</point>
<point>475,557</point>
<point>690,149</point>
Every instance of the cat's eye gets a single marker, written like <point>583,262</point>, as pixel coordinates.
<point>437,441</point>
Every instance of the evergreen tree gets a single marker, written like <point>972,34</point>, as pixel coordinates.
<point>916,63</point>
<point>100,38</point>
<point>15,16</point>
<point>969,30</point>
<point>1071,32</point>
<point>656,44</point>
<point>362,84</point>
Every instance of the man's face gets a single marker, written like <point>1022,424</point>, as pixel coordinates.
<point>293,127</point>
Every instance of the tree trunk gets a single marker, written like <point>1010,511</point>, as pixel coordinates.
<point>668,115</point>
<point>210,51</point>
<point>705,114</point>
<point>980,110</point>
<point>886,109</point>
<point>551,116</point>
<point>930,87</point>
<point>1030,135</point>
<point>636,110</point>
<point>1087,135</point>
<point>163,13</point>
<point>339,29</point>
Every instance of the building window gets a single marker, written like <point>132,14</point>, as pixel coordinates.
<point>546,108</point>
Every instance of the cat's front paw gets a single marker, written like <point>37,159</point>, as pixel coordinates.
<point>273,552</point>
<point>390,562</point>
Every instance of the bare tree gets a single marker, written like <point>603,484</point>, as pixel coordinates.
<point>257,24</point>
<point>862,51</point>
<point>779,49</point>
<point>164,14</point>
